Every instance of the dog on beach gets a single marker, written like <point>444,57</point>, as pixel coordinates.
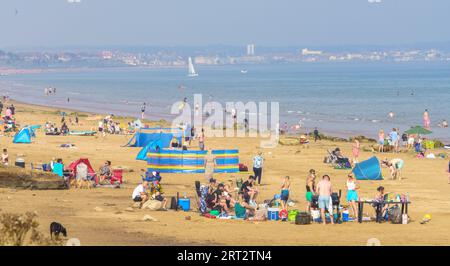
<point>56,229</point>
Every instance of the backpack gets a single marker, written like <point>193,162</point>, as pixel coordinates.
<point>395,215</point>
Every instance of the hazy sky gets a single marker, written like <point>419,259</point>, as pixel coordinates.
<point>237,22</point>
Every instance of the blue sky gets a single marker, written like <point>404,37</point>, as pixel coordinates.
<point>233,22</point>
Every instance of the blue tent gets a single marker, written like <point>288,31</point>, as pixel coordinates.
<point>368,170</point>
<point>23,136</point>
<point>145,136</point>
<point>152,146</point>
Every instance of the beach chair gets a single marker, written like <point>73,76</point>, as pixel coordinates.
<point>117,176</point>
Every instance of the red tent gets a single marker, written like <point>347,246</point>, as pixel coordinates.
<point>74,164</point>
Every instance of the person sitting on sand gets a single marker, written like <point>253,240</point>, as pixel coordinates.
<point>249,191</point>
<point>105,171</point>
<point>156,192</point>
<point>285,187</point>
<point>310,188</point>
<point>324,189</point>
<point>242,209</point>
<point>64,129</point>
<point>140,193</point>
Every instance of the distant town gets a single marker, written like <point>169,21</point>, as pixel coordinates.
<point>177,57</point>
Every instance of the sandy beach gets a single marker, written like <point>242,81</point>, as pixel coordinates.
<point>99,216</point>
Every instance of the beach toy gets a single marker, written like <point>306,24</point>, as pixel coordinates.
<point>427,216</point>
<point>273,214</point>
<point>184,204</point>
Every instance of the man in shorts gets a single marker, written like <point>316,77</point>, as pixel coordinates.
<point>324,190</point>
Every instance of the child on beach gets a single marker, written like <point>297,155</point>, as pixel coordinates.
<point>352,195</point>
<point>5,157</point>
<point>381,141</point>
<point>285,187</point>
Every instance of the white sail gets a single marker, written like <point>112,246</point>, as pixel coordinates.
<point>191,69</point>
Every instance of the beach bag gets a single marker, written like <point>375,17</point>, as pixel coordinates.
<point>395,215</point>
<point>335,199</point>
<point>303,218</point>
<point>243,168</point>
<point>315,202</point>
<point>173,203</point>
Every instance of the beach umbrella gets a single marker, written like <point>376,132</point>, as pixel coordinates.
<point>418,130</point>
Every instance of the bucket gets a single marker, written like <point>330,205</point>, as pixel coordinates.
<point>292,215</point>
<point>20,163</point>
<point>345,216</point>
<point>184,204</point>
<point>273,214</point>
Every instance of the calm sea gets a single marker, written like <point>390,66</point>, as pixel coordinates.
<point>342,98</point>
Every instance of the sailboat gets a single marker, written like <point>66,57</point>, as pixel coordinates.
<point>191,69</point>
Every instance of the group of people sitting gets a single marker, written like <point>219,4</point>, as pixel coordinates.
<point>222,200</point>
<point>52,129</point>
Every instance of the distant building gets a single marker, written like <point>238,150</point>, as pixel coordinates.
<point>305,51</point>
<point>107,55</point>
<point>250,49</point>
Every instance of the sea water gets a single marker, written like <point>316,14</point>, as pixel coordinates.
<point>343,99</point>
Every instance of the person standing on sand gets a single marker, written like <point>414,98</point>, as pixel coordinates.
<point>381,137</point>
<point>316,135</point>
<point>355,151</point>
<point>258,161</point>
<point>394,140</point>
<point>101,128</point>
<point>352,195</point>
<point>324,190</point>
<point>210,164</point>
<point>285,188</point>
<point>201,140</point>
<point>426,120</point>
<point>310,188</point>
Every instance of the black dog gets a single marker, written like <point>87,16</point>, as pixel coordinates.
<point>56,229</point>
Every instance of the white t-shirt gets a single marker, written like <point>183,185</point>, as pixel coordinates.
<point>258,161</point>
<point>351,185</point>
<point>137,191</point>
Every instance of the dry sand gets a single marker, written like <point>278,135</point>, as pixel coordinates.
<point>99,216</point>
